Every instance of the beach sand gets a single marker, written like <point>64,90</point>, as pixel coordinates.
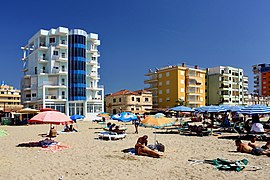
<point>90,158</point>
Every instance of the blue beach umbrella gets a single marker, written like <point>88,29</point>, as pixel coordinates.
<point>226,107</point>
<point>255,109</point>
<point>124,117</point>
<point>182,109</point>
<point>215,109</point>
<point>236,108</point>
<point>76,116</point>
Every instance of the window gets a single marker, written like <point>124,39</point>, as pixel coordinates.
<point>63,81</point>
<point>137,109</point>
<point>93,58</point>
<point>182,90</point>
<point>160,91</point>
<point>167,82</point>
<point>132,98</point>
<point>167,91</point>
<point>114,100</point>
<point>120,99</point>
<point>146,99</point>
<point>160,99</point>
<point>63,55</point>
<point>132,109</point>
<point>167,74</point>
<point>55,53</point>
<point>160,83</point>
<point>160,75</point>
<point>167,99</point>
<point>138,100</point>
<point>182,81</point>
<point>34,95</point>
<point>182,73</point>
<point>52,40</point>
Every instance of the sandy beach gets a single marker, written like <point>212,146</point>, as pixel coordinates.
<point>91,158</point>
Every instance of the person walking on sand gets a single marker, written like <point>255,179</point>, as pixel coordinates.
<point>136,124</point>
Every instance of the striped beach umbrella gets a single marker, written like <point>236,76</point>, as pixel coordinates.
<point>255,109</point>
<point>214,109</point>
<point>236,108</point>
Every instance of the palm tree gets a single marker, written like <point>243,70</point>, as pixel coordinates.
<point>180,102</point>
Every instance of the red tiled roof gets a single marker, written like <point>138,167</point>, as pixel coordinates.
<point>124,92</point>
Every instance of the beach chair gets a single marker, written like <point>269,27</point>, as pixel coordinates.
<point>111,135</point>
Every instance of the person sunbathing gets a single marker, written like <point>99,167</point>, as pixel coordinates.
<point>117,130</point>
<point>245,148</point>
<point>142,149</point>
<point>253,143</point>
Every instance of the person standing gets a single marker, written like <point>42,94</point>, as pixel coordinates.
<point>136,124</point>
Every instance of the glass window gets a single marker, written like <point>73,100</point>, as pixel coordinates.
<point>55,53</point>
<point>52,40</point>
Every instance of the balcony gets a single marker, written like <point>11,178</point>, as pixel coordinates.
<point>62,58</point>
<point>62,45</point>
<point>91,50</point>
<point>55,98</point>
<point>42,59</point>
<point>42,46</point>
<point>150,81</point>
<point>92,62</point>
<point>27,87</point>
<point>57,71</point>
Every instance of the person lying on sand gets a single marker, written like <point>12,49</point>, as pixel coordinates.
<point>142,149</point>
<point>253,143</point>
<point>245,148</point>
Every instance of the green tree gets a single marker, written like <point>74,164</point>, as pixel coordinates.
<point>180,102</point>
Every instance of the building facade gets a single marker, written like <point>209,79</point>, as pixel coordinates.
<point>226,85</point>
<point>173,83</point>
<point>261,79</point>
<point>137,102</point>
<point>60,69</point>
<point>10,98</point>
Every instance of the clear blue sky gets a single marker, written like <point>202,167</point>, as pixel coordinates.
<point>141,34</point>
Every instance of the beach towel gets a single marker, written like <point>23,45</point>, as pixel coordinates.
<point>224,164</point>
<point>3,133</point>
<point>55,147</point>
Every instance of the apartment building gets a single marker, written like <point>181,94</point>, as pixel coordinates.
<point>137,102</point>
<point>261,79</point>
<point>226,85</point>
<point>60,71</point>
<point>10,98</point>
<point>173,83</point>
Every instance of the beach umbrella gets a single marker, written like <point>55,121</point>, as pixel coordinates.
<point>226,107</point>
<point>214,109</point>
<point>76,116</point>
<point>50,117</point>
<point>104,114</point>
<point>28,110</point>
<point>124,117</point>
<point>255,109</point>
<point>46,109</point>
<point>182,109</point>
<point>236,108</point>
<point>157,122</point>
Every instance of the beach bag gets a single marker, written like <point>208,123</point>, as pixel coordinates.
<point>160,147</point>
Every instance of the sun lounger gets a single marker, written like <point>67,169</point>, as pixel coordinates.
<point>111,135</point>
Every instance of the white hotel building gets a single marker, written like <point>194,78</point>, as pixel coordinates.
<point>60,69</point>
